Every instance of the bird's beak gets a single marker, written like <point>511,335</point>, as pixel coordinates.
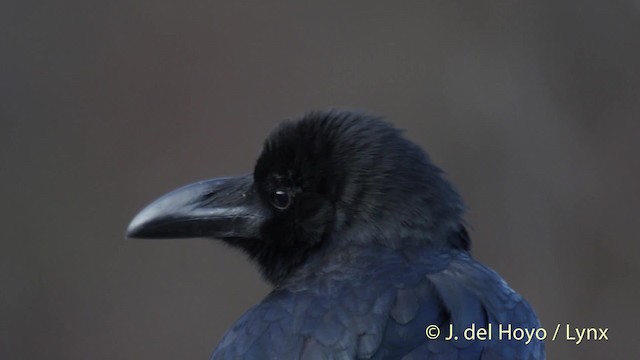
<point>221,208</point>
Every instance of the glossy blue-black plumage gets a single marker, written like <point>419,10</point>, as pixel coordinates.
<point>364,242</point>
<point>393,256</point>
<point>377,306</point>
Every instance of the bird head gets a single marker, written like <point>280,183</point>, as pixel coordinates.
<point>329,179</point>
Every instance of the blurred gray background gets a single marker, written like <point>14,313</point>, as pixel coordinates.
<point>531,107</point>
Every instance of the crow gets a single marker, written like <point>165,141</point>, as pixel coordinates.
<point>364,242</point>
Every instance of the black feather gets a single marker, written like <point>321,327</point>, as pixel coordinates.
<point>371,251</point>
<point>364,241</point>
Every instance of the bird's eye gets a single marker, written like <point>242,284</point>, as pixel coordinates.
<point>280,199</point>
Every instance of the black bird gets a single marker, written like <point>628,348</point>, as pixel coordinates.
<point>365,245</point>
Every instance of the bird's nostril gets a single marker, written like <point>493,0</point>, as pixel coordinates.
<point>208,197</point>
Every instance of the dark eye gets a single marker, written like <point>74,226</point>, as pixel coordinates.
<point>280,199</point>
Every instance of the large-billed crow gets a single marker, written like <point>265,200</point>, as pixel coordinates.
<point>364,242</point>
